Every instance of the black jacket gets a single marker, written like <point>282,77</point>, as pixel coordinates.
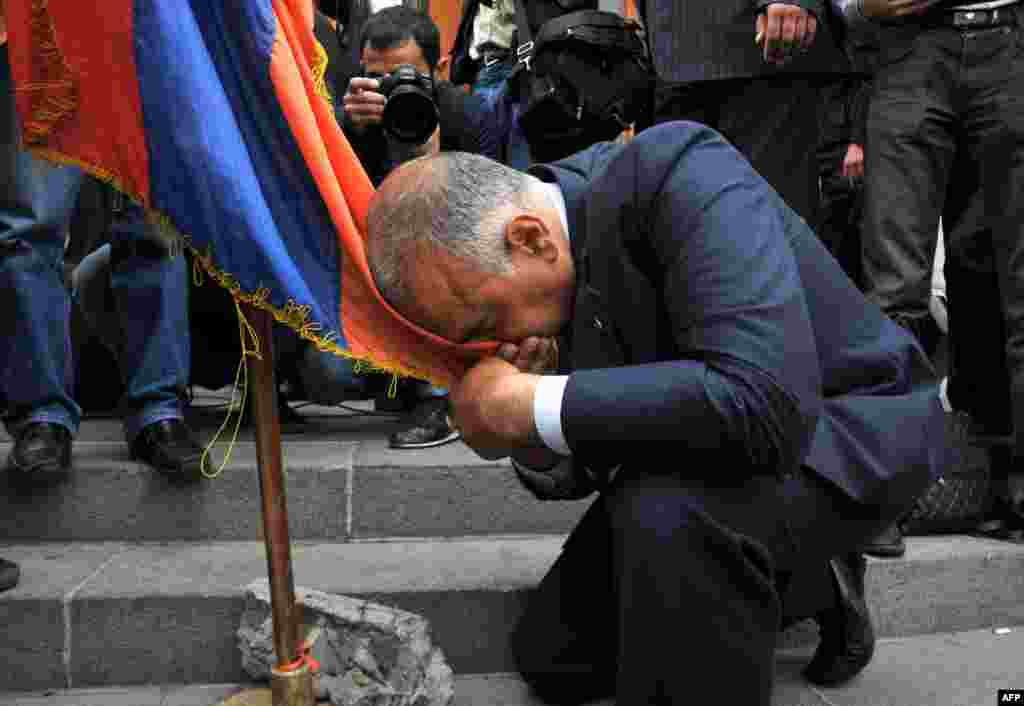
<point>701,40</point>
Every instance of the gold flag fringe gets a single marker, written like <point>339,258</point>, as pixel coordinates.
<point>52,90</point>
<point>319,69</point>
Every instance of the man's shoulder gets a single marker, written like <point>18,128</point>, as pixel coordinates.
<point>673,149</point>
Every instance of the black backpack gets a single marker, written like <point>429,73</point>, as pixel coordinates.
<point>584,77</point>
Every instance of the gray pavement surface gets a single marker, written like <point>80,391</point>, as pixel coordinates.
<point>86,614</point>
<point>116,556</point>
<point>955,669</point>
<point>343,483</point>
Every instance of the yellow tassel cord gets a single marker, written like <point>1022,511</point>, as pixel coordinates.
<point>52,89</point>
<point>241,386</point>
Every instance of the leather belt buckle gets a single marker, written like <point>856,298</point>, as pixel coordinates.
<point>972,19</point>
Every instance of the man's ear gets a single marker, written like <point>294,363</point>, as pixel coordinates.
<point>529,235</point>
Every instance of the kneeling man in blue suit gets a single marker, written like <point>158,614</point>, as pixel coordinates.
<point>746,417</point>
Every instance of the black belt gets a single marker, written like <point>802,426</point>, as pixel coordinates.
<point>977,19</point>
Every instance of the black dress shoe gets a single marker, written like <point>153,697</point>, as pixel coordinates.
<point>169,447</point>
<point>41,453</point>
<point>847,637</point>
<point>429,426</point>
<point>9,574</point>
<point>887,544</point>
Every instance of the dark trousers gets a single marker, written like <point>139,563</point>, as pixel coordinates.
<point>946,138</point>
<point>672,590</point>
<point>841,199</point>
<point>773,121</point>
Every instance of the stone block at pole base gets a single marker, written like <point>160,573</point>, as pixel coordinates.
<point>369,654</point>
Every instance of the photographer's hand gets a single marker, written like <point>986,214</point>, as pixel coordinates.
<point>363,105</point>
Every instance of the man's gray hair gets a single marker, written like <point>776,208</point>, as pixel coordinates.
<point>455,200</point>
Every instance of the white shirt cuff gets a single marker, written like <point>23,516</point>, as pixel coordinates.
<point>944,396</point>
<point>547,412</point>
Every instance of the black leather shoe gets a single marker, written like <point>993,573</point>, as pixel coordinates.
<point>429,426</point>
<point>9,574</point>
<point>41,453</point>
<point>887,544</point>
<point>847,637</point>
<point>169,447</point>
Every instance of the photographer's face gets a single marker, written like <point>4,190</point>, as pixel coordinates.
<point>380,62</point>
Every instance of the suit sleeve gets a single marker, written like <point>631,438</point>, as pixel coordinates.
<point>860,103</point>
<point>745,379</point>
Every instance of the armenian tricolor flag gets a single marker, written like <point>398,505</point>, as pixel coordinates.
<point>213,114</point>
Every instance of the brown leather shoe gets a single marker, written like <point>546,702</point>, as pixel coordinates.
<point>41,453</point>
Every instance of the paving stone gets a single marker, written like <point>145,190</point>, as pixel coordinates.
<point>111,497</point>
<point>32,613</point>
<point>113,696</point>
<point>472,591</point>
<point>904,595</point>
<point>155,639</point>
<point>192,596</point>
<point>199,695</point>
<point>960,669</point>
<point>374,452</point>
<point>450,500</point>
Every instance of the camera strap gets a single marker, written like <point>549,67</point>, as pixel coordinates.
<point>524,38</point>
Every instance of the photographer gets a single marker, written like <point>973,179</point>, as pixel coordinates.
<point>399,37</point>
<point>398,110</point>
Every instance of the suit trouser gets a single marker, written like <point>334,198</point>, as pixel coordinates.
<point>841,198</point>
<point>773,121</point>
<point>670,590</point>
<point>946,138</point>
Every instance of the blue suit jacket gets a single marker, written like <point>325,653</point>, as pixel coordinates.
<point>712,327</point>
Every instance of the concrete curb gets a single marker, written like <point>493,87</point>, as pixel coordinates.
<point>337,491</point>
<point>102,614</point>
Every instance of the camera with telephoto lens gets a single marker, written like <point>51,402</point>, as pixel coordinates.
<point>410,113</point>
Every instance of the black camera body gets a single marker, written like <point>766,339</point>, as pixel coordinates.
<point>410,113</point>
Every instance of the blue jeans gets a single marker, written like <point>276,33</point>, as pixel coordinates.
<point>133,294</point>
<point>36,373</point>
<point>492,85</point>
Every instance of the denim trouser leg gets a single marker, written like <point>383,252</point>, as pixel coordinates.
<point>133,296</point>
<point>36,203</point>
<point>150,297</point>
